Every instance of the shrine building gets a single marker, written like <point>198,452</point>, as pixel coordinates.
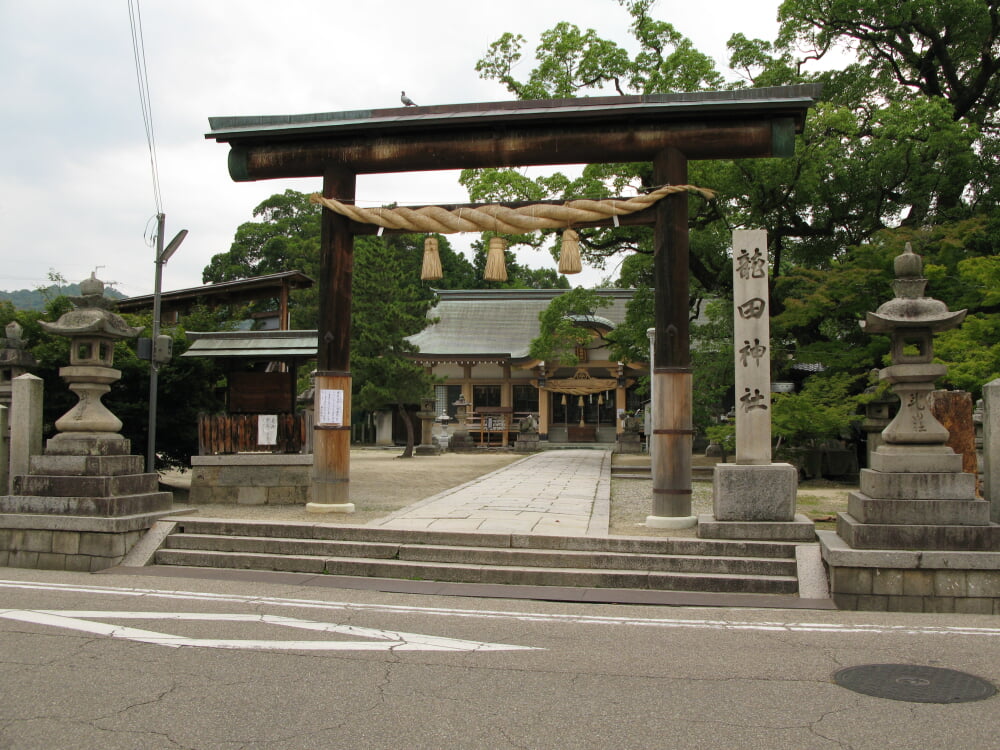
<point>479,341</point>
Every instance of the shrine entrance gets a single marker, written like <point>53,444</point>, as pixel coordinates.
<point>667,130</point>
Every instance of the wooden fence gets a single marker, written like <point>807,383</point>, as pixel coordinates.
<point>239,433</point>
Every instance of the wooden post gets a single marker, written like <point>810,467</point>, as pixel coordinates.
<point>332,421</point>
<point>673,426</point>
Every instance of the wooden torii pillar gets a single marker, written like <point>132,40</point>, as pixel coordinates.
<point>332,434</point>
<point>667,129</point>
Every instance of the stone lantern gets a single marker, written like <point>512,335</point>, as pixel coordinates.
<point>93,330</point>
<point>85,501</point>
<point>427,416</point>
<point>911,320</point>
<point>460,440</point>
<point>915,537</point>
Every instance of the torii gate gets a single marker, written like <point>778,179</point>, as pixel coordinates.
<point>666,129</point>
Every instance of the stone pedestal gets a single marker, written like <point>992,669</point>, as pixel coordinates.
<point>252,479</point>
<point>83,505</point>
<point>629,442</point>
<point>754,493</point>
<point>755,502</point>
<point>526,442</point>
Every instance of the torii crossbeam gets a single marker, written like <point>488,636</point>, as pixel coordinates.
<point>666,129</point>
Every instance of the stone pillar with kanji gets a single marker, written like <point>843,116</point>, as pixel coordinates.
<point>753,498</point>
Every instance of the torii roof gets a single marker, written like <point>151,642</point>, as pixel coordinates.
<point>739,123</point>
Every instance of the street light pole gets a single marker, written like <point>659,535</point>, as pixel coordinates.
<point>162,256</point>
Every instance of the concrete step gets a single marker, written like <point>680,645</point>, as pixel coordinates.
<point>487,556</point>
<point>622,544</point>
<point>471,573</point>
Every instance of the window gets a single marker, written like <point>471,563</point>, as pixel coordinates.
<point>444,398</point>
<point>525,399</point>
<point>485,395</point>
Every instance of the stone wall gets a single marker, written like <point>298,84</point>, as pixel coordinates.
<point>909,590</point>
<point>911,580</point>
<point>251,479</point>
<point>65,543</point>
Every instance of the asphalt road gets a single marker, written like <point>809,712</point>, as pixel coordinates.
<point>113,661</point>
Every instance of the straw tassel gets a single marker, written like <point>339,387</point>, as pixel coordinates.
<point>431,270</point>
<point>496,268</point>
<point>569,258</point>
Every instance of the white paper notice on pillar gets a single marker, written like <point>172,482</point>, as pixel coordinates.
<point>752,340</point>
<point>331,406</point>
<point>267,429</point>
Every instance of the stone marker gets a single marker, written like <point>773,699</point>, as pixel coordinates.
<point>753,498</point>
<point>991,447</point>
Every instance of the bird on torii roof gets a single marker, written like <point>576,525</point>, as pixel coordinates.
<point>407,101</point>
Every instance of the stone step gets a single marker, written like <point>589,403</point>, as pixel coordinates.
<point>79,466</point>
<point>106,507</point>
<point>472,573</point>
<point>623,544</point>
<point>487,556</point>
<point>60,485</point>
<point>973,538</point>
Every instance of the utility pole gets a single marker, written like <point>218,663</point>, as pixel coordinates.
<point>159,353</point>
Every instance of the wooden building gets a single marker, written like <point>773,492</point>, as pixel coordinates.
<point>479,341</point>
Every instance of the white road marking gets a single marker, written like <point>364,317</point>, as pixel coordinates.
<point>704,624</point>
<point>88,621</point>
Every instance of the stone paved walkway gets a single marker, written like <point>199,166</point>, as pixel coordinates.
<point>565,492</point>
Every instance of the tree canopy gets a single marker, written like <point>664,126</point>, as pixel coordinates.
<point>902,147</point>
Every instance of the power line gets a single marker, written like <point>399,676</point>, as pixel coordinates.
<point>142,78</point>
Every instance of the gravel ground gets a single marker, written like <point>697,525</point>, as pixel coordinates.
<point>632,501</point>
<point>381,483</point>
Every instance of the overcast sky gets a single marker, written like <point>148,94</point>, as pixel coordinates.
<point>75,181</point>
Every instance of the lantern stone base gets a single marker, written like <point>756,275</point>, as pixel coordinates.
<point>461,441</point>
<point>82,506</point>
<point>911,580</point>
<point>629,442</point>
<point>526,442</point>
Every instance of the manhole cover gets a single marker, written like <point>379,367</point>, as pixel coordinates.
<point>914,683</point>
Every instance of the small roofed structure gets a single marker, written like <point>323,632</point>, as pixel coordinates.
<point>272,286</point>
<point>261,370</point>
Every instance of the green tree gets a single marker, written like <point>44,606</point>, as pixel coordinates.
<point>561,331</point>
<point>186,386</point>
<point>286,237</point>
<point>903,143</point>
<point>386,308</point>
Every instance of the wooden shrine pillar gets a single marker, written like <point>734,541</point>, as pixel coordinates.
<point>332,405</point>
<point>673,425</point>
